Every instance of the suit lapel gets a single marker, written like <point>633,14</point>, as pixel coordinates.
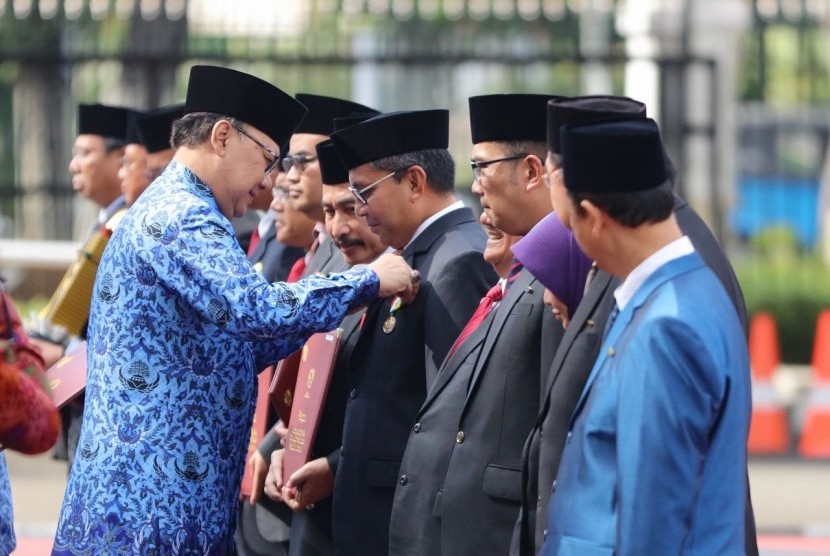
<point>262,246</point>
<point>663,274</point>
<point>584,311</point>
<point>524,282</point>
<point>454,362</point>
<point>437,229</point>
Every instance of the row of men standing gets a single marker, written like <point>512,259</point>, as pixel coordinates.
<point>433,457</point>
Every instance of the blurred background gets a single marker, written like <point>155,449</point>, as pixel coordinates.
<point>741,89</point>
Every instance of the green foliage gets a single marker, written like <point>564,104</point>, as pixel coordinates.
<point>792,286</point>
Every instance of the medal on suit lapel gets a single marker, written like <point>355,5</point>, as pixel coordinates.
<point>389,323</point>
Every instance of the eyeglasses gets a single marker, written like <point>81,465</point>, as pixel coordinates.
<point>477,166</point>
<point>280,193</point>
<point>299,161</point>
<point>360,194</point>
<point>272,162</point>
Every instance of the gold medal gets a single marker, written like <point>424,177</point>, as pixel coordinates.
<point>389,324</point>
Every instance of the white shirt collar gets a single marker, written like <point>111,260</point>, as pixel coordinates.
<point>106,213</point>
<point>637,277</point>
<point>426,223</point>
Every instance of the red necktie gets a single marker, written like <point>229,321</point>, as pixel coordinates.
<point>493,296</point>
<point>296,271</point>
<point>254,241</point>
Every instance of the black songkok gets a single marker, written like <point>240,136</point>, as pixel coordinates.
<point>391,134</point>
<point>511,117</point>
<point>245,97</point>
<point>595,108</point>
<point>323,110</point>
<point>106,121</point>
<point>613,157</point>
<point>155,127</point>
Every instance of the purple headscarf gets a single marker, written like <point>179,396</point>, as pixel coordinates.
<point>550,253</point>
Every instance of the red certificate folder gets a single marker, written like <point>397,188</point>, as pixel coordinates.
<point>313,378</point>
<point>67,377</point>
<point>281,390</point>
<point>257,427</point>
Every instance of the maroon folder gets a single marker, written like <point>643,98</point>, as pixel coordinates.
<point>313,378</point>
<point>67,377</point>
<point>257,427</point>
<point>281,390</point>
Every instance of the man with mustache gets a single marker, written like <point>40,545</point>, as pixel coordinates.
<point>308,490</point>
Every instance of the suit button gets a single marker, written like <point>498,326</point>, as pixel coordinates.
<point>570,435</point>
<point>353,393</point>
<point>417,427</point>
<point>553,488</point>
<point>545,534</point>
<point>459,438</point>
<point>403,479</point>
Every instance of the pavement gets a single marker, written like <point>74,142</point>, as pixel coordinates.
<point>791,498</point>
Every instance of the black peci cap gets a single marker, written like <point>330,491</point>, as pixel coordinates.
<point>323,110</point>
<point>352,119</point>
<point>245,97</point>
<point>593,108</point>
<point>390,134</point>
<point>625,156</point>
<point>509,117</point>
<point>106,121</point>
<point>155,127</point>
<point>332,170</point>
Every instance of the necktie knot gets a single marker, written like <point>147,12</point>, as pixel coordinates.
<point>494,295</point>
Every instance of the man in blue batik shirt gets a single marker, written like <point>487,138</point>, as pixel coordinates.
<point>180,324</point>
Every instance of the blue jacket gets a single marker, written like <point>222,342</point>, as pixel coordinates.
<point>655,458</point>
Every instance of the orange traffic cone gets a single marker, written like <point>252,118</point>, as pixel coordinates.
<point>769,431</point>
<point>815,437</point>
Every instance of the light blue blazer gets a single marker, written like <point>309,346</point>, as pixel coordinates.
<point>655,457</point>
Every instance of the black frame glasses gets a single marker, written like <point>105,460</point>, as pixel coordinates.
<point>272,162</point>
<point>360,194</point>
<point>477,166</point>
<point>299,161</point>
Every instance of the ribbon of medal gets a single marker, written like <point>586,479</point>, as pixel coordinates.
<point>389,323</point>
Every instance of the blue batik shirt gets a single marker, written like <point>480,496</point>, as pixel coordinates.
<point>180,323</point>
<point>7,540</point>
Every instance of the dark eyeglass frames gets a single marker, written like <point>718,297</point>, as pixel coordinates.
<point>275,158</point>
<point>360,194</point>
<point>299,161</point>
<point>477,166</point>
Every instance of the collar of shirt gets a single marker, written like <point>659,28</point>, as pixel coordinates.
<point>426,223</point>
<point>106,213</point>
<point>674,250</point>
<point>265,221</point>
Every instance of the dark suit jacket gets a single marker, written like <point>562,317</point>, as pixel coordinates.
<point>311,529</point>
<point>390,373</point>
<point>327,258</point>
<point>570,369</point>
<point>274,259</point>
<point>463,457</point>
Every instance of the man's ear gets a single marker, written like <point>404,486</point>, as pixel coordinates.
<point>596,218</point>
<point>416,180</point>
<point>219,135</point>
<point>534,169</point>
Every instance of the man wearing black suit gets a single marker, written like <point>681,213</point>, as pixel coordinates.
<point>308,491</point>
<point>403,179</point>
<point>580,345</point>
<point>463,458</point>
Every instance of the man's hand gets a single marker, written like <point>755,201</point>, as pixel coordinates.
<point>273,481</point>
<point>311,483</point>
<point>396,277</point>
<point>281,430</point>
<point>51,352</point>
<point>260,471</point>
